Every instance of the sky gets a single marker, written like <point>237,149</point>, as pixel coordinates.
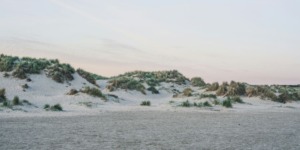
<point>253,41</point>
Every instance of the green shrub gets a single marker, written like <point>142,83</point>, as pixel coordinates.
<point>2,95</point>
<point>207,104</point>
<point>186,104</point>
<point>16,101</point>
<point>251,91</point>
<point>227,103</point>
<point>145,103</point>
<point>6,75</point>
<point>56,107</point>
<point>72,92</point>
<point>236,99</point>
<point>187,92</point>
<point>7,63</point>
<point>153,90</point>
<point>93,92</point>
<point>19,73</point>
<point>46,106</point>
<point>197,81</point>
<point>60,72</point>
<point>127,84</point>
<point>6,104</point>
<point>213,96</point>
<point>222,90</point>
<point>86,75</point>
<point>216,102</point>
<point>213,87</point>
<point>25,86</point>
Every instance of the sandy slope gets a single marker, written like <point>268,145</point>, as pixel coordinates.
<point>43,90</point>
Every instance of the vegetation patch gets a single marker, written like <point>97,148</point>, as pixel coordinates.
<point>212,96</point>
<point>198,82</point>
<point>153,90</point>
<point>213,87</point>
<point>227,103</point>
<point>56,107</point>
<point>127,84</point>
<point>187,92</point>
<point>95,92</point>
<point>86,75</point>
<point>145,103</point>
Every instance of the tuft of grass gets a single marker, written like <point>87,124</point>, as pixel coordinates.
<point>186,104</point>
<point>145,103</point>
<point>56,107</point>
<point>187,92</point>
<point>86,75</point>
<point>227,103</point>
<point>2,95</point>
<point>213,96</point>
<point>93,92</point>
<point>153,90</point>
<point>16,101</point>
<point>236,99</point>
<point>198,82</point>
<point>216,102</point>
<point>207,104</point>
<point>46,106</point>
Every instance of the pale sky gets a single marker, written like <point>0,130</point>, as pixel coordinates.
<point>254,41</point>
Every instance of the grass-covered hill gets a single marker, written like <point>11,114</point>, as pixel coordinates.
<point>143,81</point>
<point>60,72</point>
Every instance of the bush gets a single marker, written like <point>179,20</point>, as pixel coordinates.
<point>186,104</point>
<point>197,81</point>
<point>127,84</point>
<point>25,86</point>
<point>86,75</point>
<point>16,101</point>
<point>7,63</point>
<point>46,106</point>
<point>251,91</point>
<point>19,73</point>
<point>222,90</point>
<point>236,99</point>
<point>213,96</point>
<point>6,75</point>
<point>227,103</point>
<point>216,102</point>
<point>236,89</point>
<point>93,92</point>
<point>187,92</point>
<point>145,103</point>
<point>2,95</point>
<point>207,104</point>
<point>56,107</point>
<point>60,72</point>
<point>213,87</point>
<point>72,92</point>
<point>153,90</point>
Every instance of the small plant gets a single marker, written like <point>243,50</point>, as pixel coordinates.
<point>187,92</point>
<point>216,102</point>
<point>236,99</point>
<point>56,107</point>
<point>6,104</point>
<point>86,75</point>
<point>197,81</point>
<point>145,103</point>
<point>186,104</point>
<point>153,90</point>
<point>213,96</point>
<point>16,101</point>
<point>93,92</point>
<point>227,103</point>
<point>25,86</point>
<point>2,95</point>
<point>47,106</point>
<point>26,102</point>
<point>72,92</point>
<point>6,75</point>
<point>171,102</point>
<point>207,104</point>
